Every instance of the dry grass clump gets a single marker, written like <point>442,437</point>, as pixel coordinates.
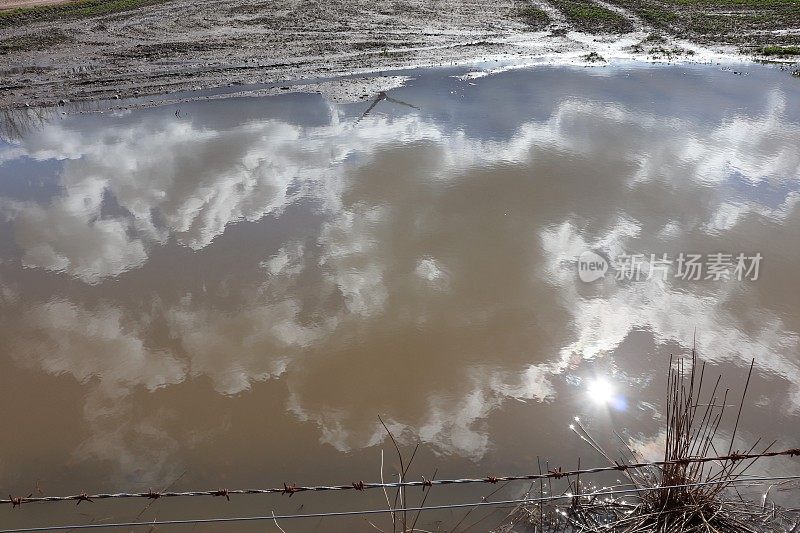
<point>681,496</point>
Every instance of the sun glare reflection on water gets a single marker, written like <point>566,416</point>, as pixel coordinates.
<point>603,392</point>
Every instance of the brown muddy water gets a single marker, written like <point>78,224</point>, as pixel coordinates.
<point>227,294</point>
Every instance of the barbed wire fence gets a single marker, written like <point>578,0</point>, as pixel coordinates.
<point>617,490</point>
<point>290,489</point>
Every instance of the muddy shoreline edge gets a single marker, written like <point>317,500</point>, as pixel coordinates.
<point>149,50</point>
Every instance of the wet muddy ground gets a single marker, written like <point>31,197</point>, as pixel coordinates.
<point>96,50</point>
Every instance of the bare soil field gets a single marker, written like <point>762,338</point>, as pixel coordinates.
<point>92,50</point>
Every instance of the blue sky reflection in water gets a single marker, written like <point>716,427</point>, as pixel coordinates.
<point>239,291</point>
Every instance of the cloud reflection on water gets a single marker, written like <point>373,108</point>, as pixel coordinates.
<point>443,258</point>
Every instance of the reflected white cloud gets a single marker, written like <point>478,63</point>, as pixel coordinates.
<point>672,313</point>
<point>70,235</point>
<point>143,449</point>
<point>352,262</point>
<point>103,344</point>
<point>175,180</point>
<point>253,345</point>
<point>288,261</point>
<point>761,148</point>
<point>429,270</point>
<point>452,425</point>
<point>186,181</point>
<point>386,267</point>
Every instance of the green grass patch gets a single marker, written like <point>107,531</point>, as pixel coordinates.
<point>746,23</point>
<point>658,17</point>
<point>659,52</point>
<point>533,16</point>
<point>77,9</point>
<point>590,17</point>
<point>654,38</point>
<point>738,3</point>
<point>780,51</point>
<point>17,44</point>
<point>23,43</point>
<point>594,57</point>
<point>592,13</point>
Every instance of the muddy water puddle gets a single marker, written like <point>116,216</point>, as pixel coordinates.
<point>229,293</point>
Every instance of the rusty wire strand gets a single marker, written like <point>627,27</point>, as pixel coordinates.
<point>753,481</point>
<point>290,488</point>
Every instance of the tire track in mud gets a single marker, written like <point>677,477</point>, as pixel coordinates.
<point>558,20</point>
<point>184,41</point>
<point>635,20</point>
